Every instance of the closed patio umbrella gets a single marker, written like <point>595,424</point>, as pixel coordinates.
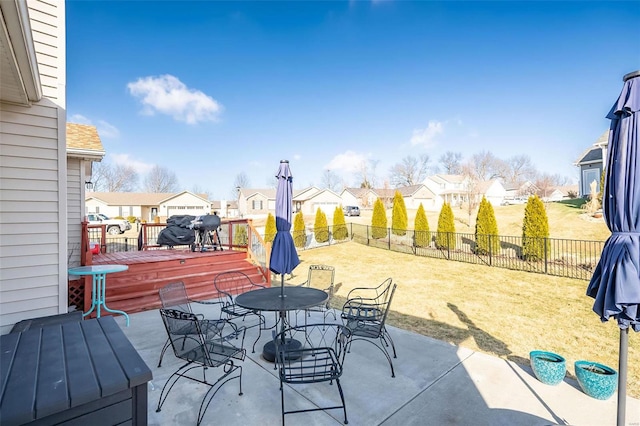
<point>284,257</point>
<point>615,284</point>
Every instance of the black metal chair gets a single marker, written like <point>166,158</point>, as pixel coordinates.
<point>321,277</point>
<point>315,356</point>
<point>229,285</point>
<point>174,296</point>
<point>365,313</point>
<point>202,350</point>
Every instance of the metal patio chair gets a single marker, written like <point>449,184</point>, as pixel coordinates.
<point>201,350</point>
<point>321,277</point>
<point>174,296</point>
<point>229,285</point>
<point>365,313</point>
<point>316,356</point>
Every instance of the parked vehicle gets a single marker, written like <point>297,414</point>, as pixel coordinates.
<point>351,211</point>
<point>516,200</point>
<point>114,226</point>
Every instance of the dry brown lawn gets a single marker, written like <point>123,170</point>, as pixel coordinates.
<point>496,311</point>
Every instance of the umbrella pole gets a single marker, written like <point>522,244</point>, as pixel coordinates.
<point>622,375</point>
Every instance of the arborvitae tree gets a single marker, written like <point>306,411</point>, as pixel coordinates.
<point>535,230</point>
<point>399,220</point>
<point>421,228</point>
<point>601,193</point>
<point>445,237</point>
<point>487,240</point>
<point>240,235</point>
<point>339,225</point>
<point>321,227</point>
<point>270,229</point>
<point>299,232</point>
<point>378,220</point>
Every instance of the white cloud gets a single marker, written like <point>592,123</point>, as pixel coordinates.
<point>168,95</point>
<point>427,135</point>
<point>126,160</point>
<point>105,129</point>
<point>297,157</point>
<point>348,161</point>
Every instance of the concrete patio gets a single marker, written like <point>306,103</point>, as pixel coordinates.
<point>436,384</point>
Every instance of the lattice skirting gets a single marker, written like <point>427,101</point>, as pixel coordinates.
<point>76,294</point>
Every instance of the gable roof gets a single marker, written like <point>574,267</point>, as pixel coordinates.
<point>83,141</point>
<point>593,154</point>
<point>448,178</point>
<point>129,198</point>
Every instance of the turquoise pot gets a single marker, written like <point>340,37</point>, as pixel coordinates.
<point>548,367</point>
<point>596,380</point>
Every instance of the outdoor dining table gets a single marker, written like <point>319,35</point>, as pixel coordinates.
<point>271,300</point>
<point>99,286</point>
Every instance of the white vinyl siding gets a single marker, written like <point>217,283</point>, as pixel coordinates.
<point>33,189</point>
<point>75,187</point>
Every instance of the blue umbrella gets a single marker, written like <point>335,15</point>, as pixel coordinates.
<point>284,257</point>
<point>615,284</point>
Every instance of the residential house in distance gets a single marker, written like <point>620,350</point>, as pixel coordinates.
<point>147,206</point>
<point>361,197</point>
<point>257,203</point>
<point>523,189</point>
<point>83,149</point>
<point>591,164</point>
<point>33,161</point>
<point>456,189</point>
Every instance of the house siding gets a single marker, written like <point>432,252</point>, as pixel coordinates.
<point>33,188</point>
<point>75,189</point>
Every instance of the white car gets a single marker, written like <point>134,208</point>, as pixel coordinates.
<point>114,226</point>
<point>516,200</point>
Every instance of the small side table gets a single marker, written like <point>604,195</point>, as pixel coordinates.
<point>98,287</point>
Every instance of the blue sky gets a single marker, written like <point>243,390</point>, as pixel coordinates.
<point>211,89</point>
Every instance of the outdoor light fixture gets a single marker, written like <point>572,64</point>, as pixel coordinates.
<point>88,185</point>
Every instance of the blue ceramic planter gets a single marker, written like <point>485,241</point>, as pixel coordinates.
<point>548,367</point>
<point>596,380</point>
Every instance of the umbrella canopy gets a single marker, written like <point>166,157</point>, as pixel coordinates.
<point>615,284</point>
<point>284,257</point>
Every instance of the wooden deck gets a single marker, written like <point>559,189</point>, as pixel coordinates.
<point>137,288</point>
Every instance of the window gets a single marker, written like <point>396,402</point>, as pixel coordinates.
<point>588,176</point>
<point>256,204</point>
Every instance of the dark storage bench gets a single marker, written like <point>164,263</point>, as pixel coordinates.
<point>72,373</point>
<point>40,322</point>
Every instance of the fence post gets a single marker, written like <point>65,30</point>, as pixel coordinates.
<point>448,245</point>
<point>126,244</point>
<point>490,247</point>
<point>546,254</point>
<point>389,238</point>
<point>367,234</point>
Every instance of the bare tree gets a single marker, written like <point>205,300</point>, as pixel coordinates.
<point>486,166</point>
<point>410,171</point>
<point>160,179</point>
<point>547,182</point>
<point>331,180</point>
<point>198,190</point>
<point>451,162</point>
<point>471,190</point>
<point>366,173</point>
<point>519,170</point>
<point>241,181</point>
<point>114,178</point>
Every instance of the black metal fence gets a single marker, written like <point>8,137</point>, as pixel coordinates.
<point>560,257</point>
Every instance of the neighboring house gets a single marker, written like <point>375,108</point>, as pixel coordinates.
<point>254,203</point>
<point>147,206</point>
<point>492,190</point>
<point>560,193</point>
<point>458,189</point>
<point>33,161</point>
<point>523,189</point>
<point>361,197</point>
<point>83,148</point>
<point>591,163</point>
<point>226,208</point>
